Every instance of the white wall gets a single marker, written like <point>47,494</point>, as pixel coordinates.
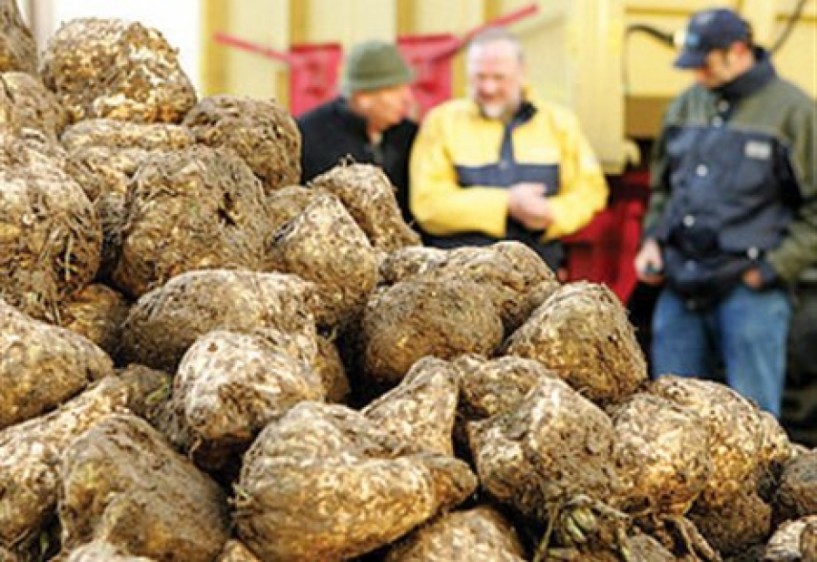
<point>178,20</point>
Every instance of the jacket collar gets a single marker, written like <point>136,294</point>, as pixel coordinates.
<point>352,120</point>
<point>750,81</point>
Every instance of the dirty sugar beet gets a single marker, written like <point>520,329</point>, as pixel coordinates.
<point>196,208</point>
<point>51,235</point>
<point>324,245</point>
<point>230,385</point>
<point>31,453</point>
<point>510,273</point>
<point>116,69</point>
<point>418,317</point>
<point>31,351</point>
<point>122,483</point>
<point>366,192</point>
<point>165,322</point>
<point>325,483</point>
<point>261,132</point>
<point>582,333</point>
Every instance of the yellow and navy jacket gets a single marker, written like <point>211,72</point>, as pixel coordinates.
<point>462,162</point>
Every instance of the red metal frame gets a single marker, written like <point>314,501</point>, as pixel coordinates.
<point>313,69</point>
<point>432,83</point>
<point>314,79</point>
<point>604,251</point>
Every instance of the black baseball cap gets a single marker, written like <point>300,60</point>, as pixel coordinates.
<point>709,30</point>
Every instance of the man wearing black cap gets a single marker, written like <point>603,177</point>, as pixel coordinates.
<point>733,214</point>
<point>368,121</point>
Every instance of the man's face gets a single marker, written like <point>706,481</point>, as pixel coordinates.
<point>495,78</point>
<point>718,69</point>
<point>385,107</point>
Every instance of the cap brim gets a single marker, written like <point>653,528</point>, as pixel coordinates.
<point>690,59</point>
<point>407,76</point>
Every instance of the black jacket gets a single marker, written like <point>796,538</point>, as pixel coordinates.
<point>331,132</point>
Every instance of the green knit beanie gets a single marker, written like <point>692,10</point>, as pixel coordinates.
<point>372,65</point>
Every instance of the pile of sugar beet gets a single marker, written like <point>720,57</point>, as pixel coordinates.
<point>201,360</point>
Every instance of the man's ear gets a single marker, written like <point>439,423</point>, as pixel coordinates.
<point>741,48</point>
<point>361,100</point>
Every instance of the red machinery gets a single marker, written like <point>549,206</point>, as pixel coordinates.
<point>604,250</point>
<point>313,69</point>
<point>432,81</point>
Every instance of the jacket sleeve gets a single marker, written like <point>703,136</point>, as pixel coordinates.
<point>438,203</point>
<point>659,189</point>
<point>659,173</point>
<point>583,190</point>
<point>799,249</point>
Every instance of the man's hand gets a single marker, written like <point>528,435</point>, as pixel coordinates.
<point>528,204</point>
<point>649,265</point>
<point>753,278</point>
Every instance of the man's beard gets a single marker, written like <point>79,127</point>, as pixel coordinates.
<point>502,111</point>
<point>494,110</point>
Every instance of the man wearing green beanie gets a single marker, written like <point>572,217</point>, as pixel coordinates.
<point>367,121</point>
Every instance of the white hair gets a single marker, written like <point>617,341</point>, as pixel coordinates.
<point>496,35</point>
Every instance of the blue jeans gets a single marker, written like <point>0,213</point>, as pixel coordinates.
<point>745,333</point>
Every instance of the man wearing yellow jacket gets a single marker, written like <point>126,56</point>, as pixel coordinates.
<point>502,165</point>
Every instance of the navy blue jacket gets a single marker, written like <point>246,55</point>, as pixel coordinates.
<point>734,183</point>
